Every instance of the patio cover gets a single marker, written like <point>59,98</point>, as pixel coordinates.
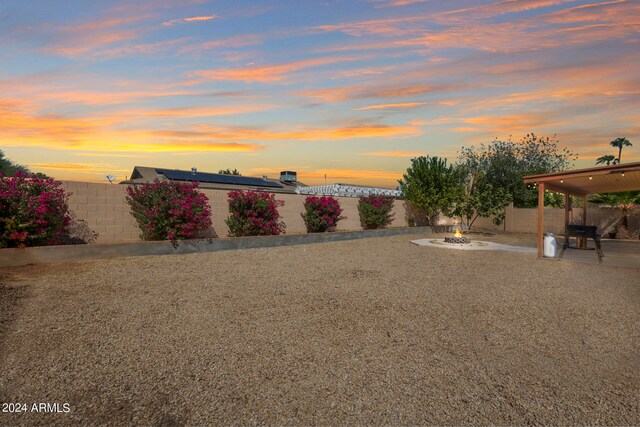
<point>582,182</point>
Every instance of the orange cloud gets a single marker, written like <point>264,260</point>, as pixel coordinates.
<point>185,146</point>
<point>395,3</point>
<point>116,155</point>
<point>103,24</point>
<point>393,154</point>
<point>386,27</point>
<point>304,134</point>
<point>77,167</point>
<point>610,20</point>
<point>617,10</point>
<point>75,40</point>
<point>185,112</point>
<point>269,73</point>
<point>229,42</point>
<point>509,123</point>
<point>440,121</point>
<point>110,97</point>
<point>89,43</point>
<point>506,37</point>
<point>365,71</point>
<point>22,128</point>
<point>392,106</point>
<point>502,8</point>
<point>377,46</point>
<point>374,91</point>
<point>199,18</point>
<point>141,49</point>
<point>187,20</point>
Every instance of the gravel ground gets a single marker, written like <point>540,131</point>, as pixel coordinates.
<point>375,331</point>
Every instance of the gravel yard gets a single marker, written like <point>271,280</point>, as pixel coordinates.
<point>374,331</point>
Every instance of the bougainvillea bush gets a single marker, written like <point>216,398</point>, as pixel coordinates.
<point>34,211</point>
<point>252,213</point>
<point>321,213</point>
<point>375,211</point>
<point>166,210</point>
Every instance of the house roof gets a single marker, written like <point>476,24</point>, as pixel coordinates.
<point>145,174</point>
<point>347,190</point>
<point>582,182</point>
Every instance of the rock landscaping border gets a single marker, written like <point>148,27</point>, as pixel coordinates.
<point>67,253</point>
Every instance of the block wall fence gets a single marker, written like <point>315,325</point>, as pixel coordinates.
<point>105,210</point>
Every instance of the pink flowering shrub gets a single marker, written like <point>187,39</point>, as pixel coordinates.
<point>252,213</point>
<point>321,213</point>
<point>375,211</point>
<point>168,210</point>
<point>34,211</point>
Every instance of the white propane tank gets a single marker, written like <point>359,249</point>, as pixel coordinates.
<point>550,246</point>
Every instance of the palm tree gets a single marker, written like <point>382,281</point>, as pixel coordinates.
<point>620,142</point>
<point>605,159</point>
<point>624,201</point>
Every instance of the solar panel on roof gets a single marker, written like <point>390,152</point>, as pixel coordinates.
<point>214,178</point>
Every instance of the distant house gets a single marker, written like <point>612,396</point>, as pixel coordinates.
<point>347,190</point>
<point>286,184</point>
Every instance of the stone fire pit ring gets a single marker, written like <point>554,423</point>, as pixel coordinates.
<point>458,240</point>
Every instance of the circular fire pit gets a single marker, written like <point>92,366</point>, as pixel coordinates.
<point>457,239</point>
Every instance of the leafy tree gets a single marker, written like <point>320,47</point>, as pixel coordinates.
<point>605,159</point>
<point>229,172</point>
<point>432,185</point>
<point>506,163</point>
<point>620,143</point>
<point>480,199</point>
<point>9,168</point>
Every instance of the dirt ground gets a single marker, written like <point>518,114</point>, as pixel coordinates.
<point>375,331</point>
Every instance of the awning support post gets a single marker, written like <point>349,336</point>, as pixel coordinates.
<point>567,206</point>
<point>585,201</point>
<point>540,218</point>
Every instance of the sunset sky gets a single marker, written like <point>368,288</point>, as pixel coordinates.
<point>350,89</point>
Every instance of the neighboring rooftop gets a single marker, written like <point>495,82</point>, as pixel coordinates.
<point>145,175</point>
<point>348,190</point>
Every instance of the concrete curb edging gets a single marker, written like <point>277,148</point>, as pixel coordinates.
<point>50,254</point>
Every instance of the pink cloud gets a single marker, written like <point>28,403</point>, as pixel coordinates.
<point>268,73</point>
<point>188,20</point>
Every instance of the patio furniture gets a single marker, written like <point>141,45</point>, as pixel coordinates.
<point>582,232</point>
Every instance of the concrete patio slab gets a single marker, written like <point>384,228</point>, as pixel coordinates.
<point>617,253</point>
<point>475,245</point>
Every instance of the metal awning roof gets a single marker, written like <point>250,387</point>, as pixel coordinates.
<point>582,182</point>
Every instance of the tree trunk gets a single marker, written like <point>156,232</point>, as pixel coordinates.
<point>625,221</point>
<point>619,153</point>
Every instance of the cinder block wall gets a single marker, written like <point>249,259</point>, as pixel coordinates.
<point>524,220</point>
<point>105,210</point>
